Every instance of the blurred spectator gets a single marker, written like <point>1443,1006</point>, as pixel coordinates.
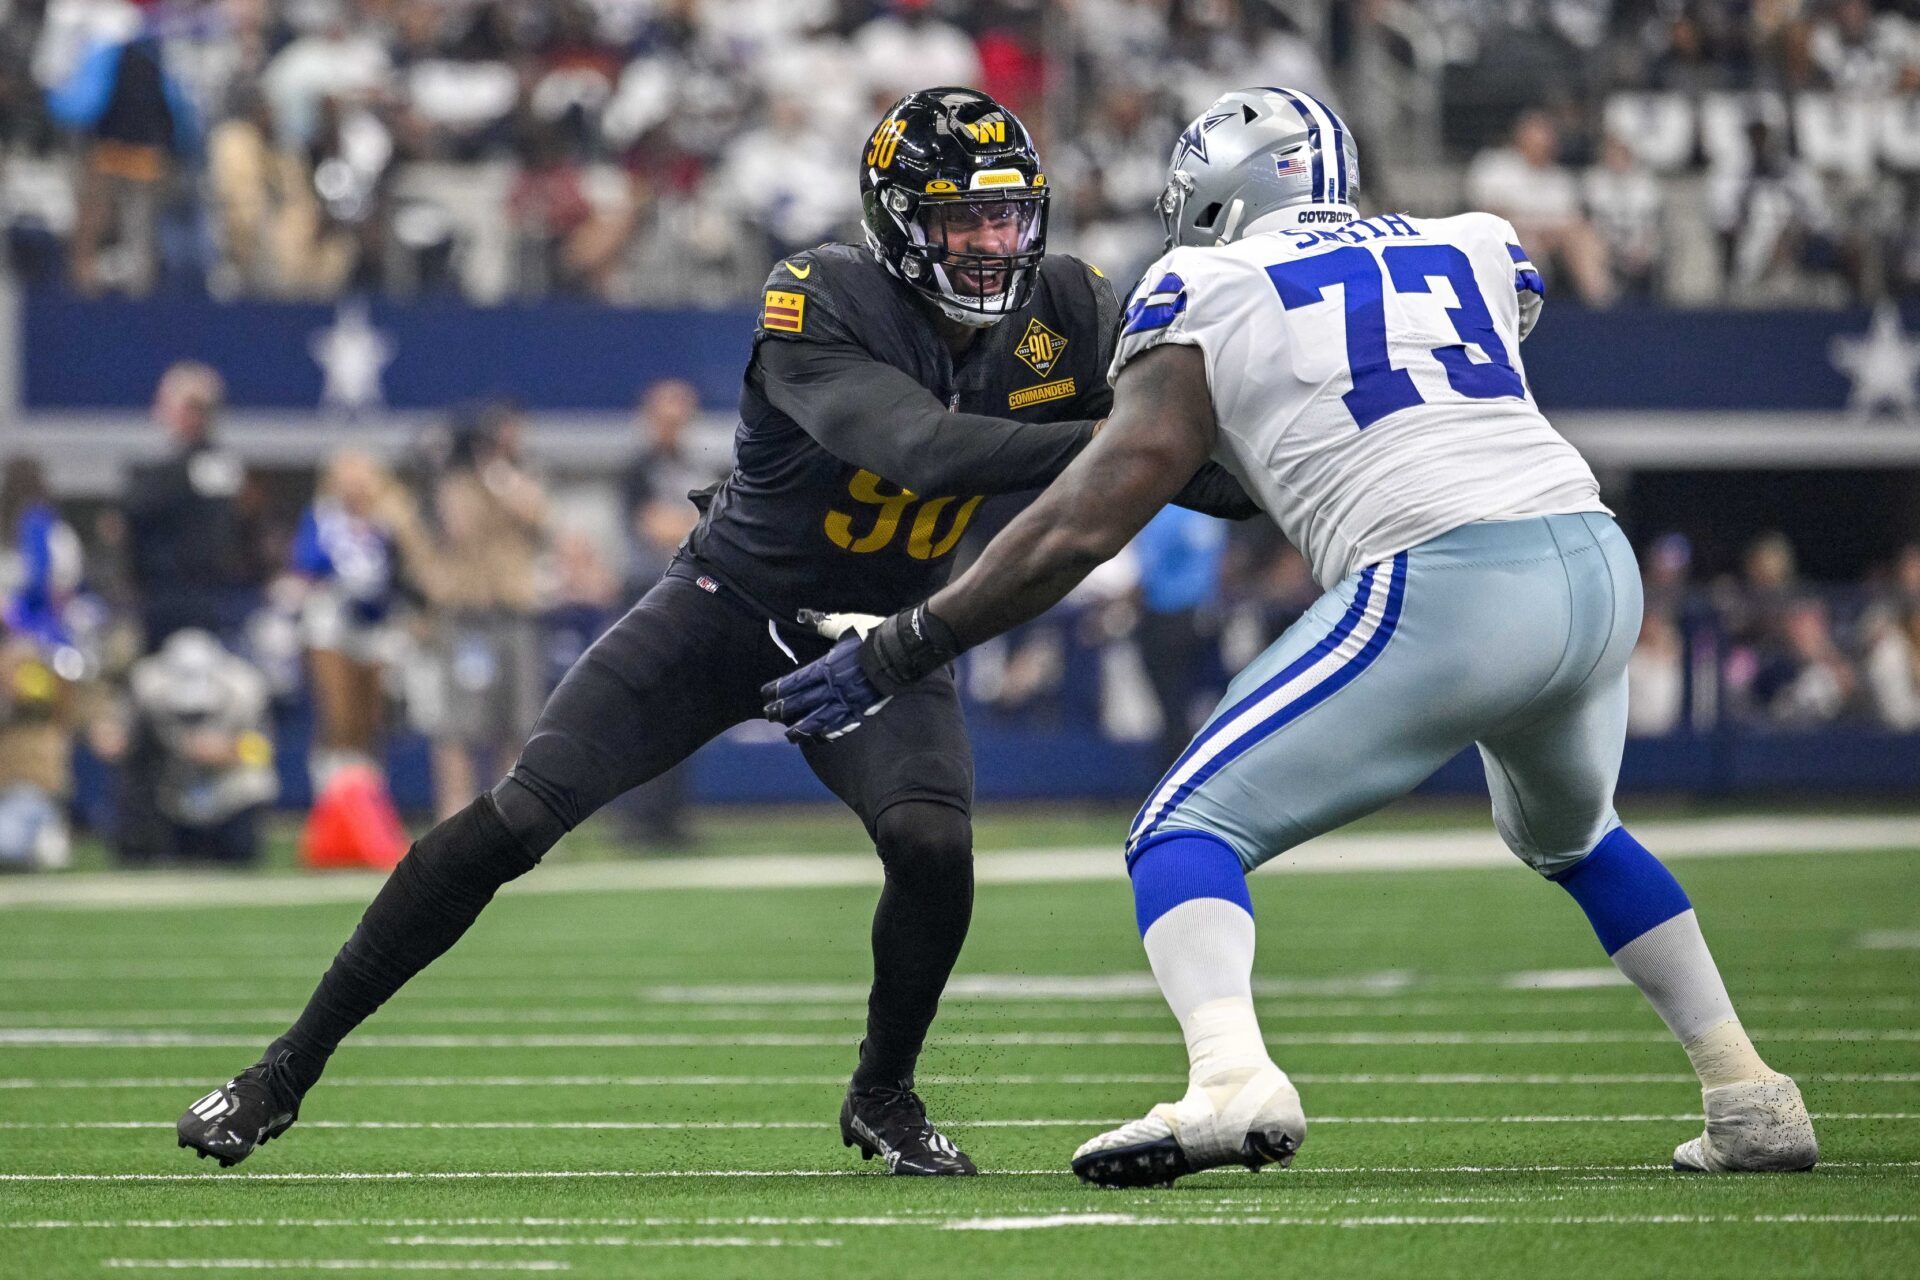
<point>198,767</point>
<point>653,497</point>
<point>1526,184</point>
<point>350,155</point>
<point>1113,171</point>
<point>487,688</point>
<point>1665,574</point>
<point>656,482</point>
<point>656,143</point>
<point>552,218</point>
<point>1772,217</point>
<point>1858,53</point>
<point>138,121</point>
<point>40,673</point>
<point>1622,198</point>
<point>336,61</point>
<point>349,553</point>
<point>1754,609</point>
<point>1656,678</point>
<point>276,237</point>
<point>1892,670</point>
<point>788,178</point>
<point>1805,679</point>
<point>908,47</point>
<point>44,570</point>
<point>185,537</point>
<point>1179,554</point>
<point>38,713</point>
<point>457,100</point>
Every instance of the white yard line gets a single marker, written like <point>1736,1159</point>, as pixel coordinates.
<point>898,1215</point>
<point>944,1080</point>
<point>623,1242</point>
<point>1337,852</point>
<point>1044,1222</point>
<point>98,1038</point>
<point>1270,1009</point>
<point>329,1264</point>
<point>674,1126</point>
<point>543,1175</point>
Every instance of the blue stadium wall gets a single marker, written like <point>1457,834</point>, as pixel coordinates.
<point>559,357</point>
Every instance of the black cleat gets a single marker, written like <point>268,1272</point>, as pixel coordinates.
<point>891,1122</point>
<point>254,1107</point>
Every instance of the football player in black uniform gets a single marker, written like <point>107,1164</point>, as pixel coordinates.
<point>891,387</point>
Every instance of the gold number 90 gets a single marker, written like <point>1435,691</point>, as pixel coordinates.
<point>924,539</point>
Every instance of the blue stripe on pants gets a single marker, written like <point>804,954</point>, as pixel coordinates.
<point>1298,706</point>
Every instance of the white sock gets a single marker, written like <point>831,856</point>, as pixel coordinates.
<point>1724,1055</point>
<point>1202,954</point>
<point>1672,967</point>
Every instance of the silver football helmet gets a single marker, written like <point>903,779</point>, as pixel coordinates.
<point>1251,152</point>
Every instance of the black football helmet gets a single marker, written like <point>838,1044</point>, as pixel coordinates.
<point>955,203</point>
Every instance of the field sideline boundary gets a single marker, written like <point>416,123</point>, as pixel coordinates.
<point>1335,853</point>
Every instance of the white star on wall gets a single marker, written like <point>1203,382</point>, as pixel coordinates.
<point>351,354</point>
<point>1883,364</point>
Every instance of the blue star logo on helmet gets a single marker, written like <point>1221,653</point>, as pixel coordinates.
<point>1194,141</point>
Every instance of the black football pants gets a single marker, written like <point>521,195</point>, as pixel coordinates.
<point>683,665</point>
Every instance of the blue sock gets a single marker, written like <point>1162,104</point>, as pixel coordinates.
<point>1624,890</point>
<point>1182,865</point>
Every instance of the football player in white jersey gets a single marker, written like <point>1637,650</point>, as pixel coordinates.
<point>1361,377</point>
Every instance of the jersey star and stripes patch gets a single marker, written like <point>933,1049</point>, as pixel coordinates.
<point>783,312</point>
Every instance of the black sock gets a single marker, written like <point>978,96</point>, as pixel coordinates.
<point>430,899</point>
<point>918,929</point>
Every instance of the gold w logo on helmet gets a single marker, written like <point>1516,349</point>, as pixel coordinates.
<point>990,129</point>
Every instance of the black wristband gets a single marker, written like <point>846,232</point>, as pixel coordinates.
<point>907,647</point>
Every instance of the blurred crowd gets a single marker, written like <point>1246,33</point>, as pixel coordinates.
<point>664,150</point>
<point>173,640</point>
<point>176,635</point>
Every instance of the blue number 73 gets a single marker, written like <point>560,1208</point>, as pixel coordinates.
<point>1378,388</point>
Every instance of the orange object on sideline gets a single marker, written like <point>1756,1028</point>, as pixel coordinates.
<point>353,824</point>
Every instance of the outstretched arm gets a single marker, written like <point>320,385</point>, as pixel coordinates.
<point>1162,428</point>
<point>1160,433</point>
<point>868,413</point>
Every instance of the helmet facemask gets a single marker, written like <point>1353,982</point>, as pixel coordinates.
<point>974,255</point>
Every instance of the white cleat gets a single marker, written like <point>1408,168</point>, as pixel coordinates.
<point>1757,1126</point>
<point>1249,1118</point>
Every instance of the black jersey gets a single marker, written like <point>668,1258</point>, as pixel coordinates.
<point>864,448</point>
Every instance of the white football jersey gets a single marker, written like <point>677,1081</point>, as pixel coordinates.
<point>1366,376</point>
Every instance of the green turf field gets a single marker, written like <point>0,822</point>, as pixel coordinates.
<point>612,1082</point>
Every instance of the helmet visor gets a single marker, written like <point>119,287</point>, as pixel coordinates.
<point>983,242</point>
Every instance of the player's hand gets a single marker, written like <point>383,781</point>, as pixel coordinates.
<point>835,625</point>
<point>827,698</point>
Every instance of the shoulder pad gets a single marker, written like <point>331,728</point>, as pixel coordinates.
<point>807,294</point>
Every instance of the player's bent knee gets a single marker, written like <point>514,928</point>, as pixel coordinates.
<point>468,856</point>
<point>921,841</point>
<point>1175,867</point>
<point>1625,890</point>
<point>1553,857</point>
